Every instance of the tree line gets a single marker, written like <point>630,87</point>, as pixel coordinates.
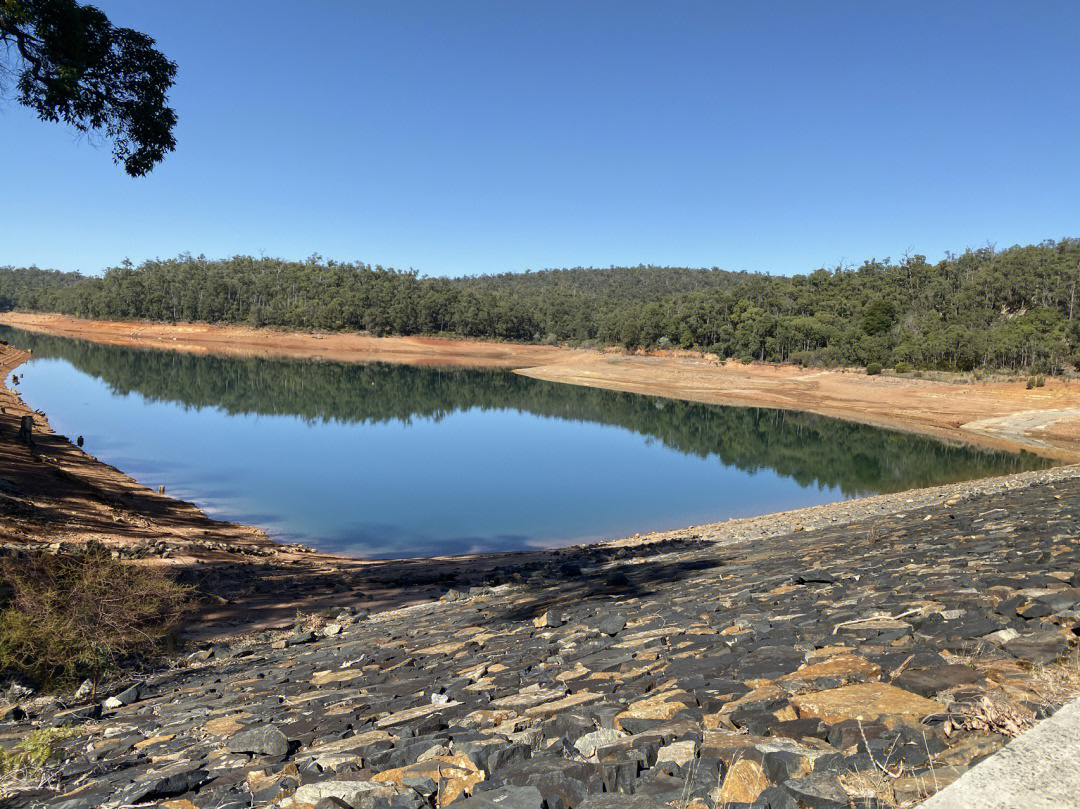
<point>1013,309</point>
<point>811,449</point>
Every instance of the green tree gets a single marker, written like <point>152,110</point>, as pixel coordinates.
<point>73,65</point>
<point>878,317</point>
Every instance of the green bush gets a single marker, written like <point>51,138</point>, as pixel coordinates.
<point>904,367</point>
<point>873,368</point>
<point>1030,382</point>
<point>31,754</point>
<point>76,615</point>
<point>807,359</point>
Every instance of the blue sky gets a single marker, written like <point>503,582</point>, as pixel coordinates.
<point>472,137</point>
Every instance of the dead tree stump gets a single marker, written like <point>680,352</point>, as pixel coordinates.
<point>26,430</point>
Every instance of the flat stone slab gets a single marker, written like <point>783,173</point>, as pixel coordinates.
<point>864,701</point>
<point>1039,769</point>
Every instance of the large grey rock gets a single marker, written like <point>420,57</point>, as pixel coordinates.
<point>775,798</point>
<point>821,790</point>
<point>505,798</point>
<point>1038,647</point>
<point>549,620</point>
<point>616,801</point>
<point>588,744</point>
<point>355,793</point>
<point>173,779</point>
<point>125,697</point>
<point>266,740</point>
<point>613,624</point>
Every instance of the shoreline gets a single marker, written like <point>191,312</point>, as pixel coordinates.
<point>85,499</point>
<point>682,672</point>
<point>997,415</point>
<point>761,639</point>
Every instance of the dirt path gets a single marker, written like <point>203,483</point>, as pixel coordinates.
<point>1003,415</point>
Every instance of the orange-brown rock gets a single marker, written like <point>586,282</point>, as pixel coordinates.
<point>843,666</point>
<point>863,701</point>
<point>745,780</point>
<point>661,706</point>
<point>455,775</point>
<point>223,726</point>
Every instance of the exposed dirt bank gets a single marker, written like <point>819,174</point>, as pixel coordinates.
<point>999,414</point>
<point>55,493</point>
<point>51,491</point>
<point>1003,415</point>
<point>202,338</point>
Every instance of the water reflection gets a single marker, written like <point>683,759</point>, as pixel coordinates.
<point>426,460</point>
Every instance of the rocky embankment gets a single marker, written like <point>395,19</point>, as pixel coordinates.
<point>867,664</point>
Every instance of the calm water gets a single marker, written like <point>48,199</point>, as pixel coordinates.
<point>388,460</point>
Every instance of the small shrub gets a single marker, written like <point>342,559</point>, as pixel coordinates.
<point>873,368</point>
<point>806,359</point>
<point>1040,381</point>
<point>74,615</point>
<point>31,754</point>
<point>1030,382</point>
<point>904,368</point>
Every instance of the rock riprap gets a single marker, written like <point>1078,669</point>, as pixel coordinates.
<point>783,673</point>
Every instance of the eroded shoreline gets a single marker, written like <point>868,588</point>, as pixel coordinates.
<point>58,494</point>
<point>1000,415</point>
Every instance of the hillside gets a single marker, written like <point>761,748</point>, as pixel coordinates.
<point>1009,310</point>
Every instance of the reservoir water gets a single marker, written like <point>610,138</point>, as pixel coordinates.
<point>387,460</point>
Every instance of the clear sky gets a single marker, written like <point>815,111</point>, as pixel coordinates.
<point>473,137</point>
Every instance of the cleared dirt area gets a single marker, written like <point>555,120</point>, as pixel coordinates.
<point>1001,414</point>
<point>1004,415</point>
<point>202,338</point>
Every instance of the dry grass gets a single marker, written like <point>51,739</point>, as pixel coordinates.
<point>993,712</point>
<point>870,784</point>
<point>1000,710</point>
<point>1058,682</point>
<point>307,622</point>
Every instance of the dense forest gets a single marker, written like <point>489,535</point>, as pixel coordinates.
<point>1012,309</point>
<point>810,449</point>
